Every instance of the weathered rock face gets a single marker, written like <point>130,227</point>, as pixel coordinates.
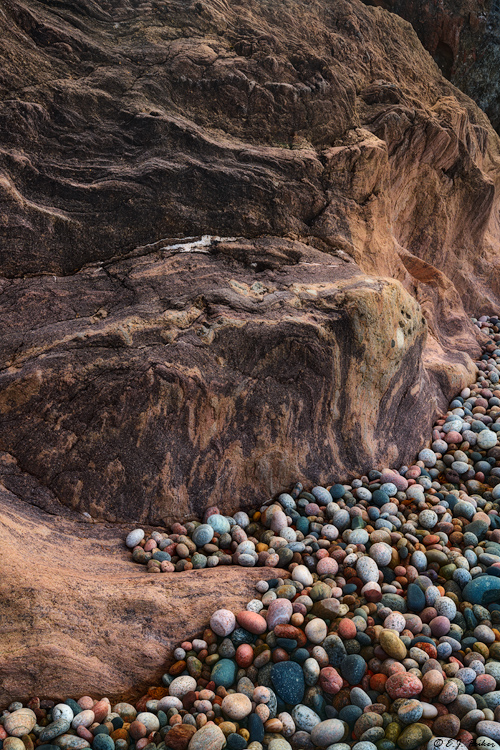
<point>348,178</point>
<point>78,618</point>
<point>350,195</point>
<point>163,383</point>
<point>463,38</point>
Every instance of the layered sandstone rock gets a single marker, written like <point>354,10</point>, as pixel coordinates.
<point>349,196</point>
<point>216,373</point>
<point>344,178</point>
<point>463,38</point>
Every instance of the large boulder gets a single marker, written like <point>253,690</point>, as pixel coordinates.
<point>219,373</point>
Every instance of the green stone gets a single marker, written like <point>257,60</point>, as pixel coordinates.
<point>392,731</point>
<point>413,736</point>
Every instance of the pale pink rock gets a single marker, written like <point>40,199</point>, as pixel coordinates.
<point>223,622</point>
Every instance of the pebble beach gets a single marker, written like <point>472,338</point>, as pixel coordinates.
<point>385,634</point>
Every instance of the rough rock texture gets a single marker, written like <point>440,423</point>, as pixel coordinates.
<point>350,179</point>
<point>78,618</point>
<point>463,36</point>
<point>158,385</point>
<point>354,193</point>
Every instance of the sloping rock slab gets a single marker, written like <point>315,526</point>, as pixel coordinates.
<point>77,617</point>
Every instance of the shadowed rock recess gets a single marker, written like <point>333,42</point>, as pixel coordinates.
<point>463,37</point>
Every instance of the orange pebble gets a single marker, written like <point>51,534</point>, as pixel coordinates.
<point>377,682</point>
<point>177,668</point>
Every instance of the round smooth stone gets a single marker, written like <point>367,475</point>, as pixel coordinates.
<point>71,742</point>
<point>219,523</point>
<point>302,575</point>
<point>428,519</point>
<point>20,722</point>
<point>149,720</point>
<point>311,671</point>
<point>279,743</point>
<point>353,669</point>
<point>328,732</point>
<point>169,701</point>
<point>403,685</point>
<point>392,644</point>
<point>414,736</point>
<point>236,706</point>
<point>359,698</point>
<point>242,519</point>
<point>209,737</point>
<point>223,673</point>
<point>247,560</point>
<point>287,678</point>
<point>316,630</point>
<point>489,729</point>
<point>223,622</point>
<point>322,495</point>
<point>252,621</point>
<point>134,538</point>
<point>203,534</point>
<point>428,457</point>
<point>279,612</point>
<point>358,536</point>
<point>486,439</point>
<point>62,711</point>
<point>327,566</point>
<point>381,553</point>
<point>410,711</point>
<point>305,718</point>
<point>415,598</point>
<point>103,742</point>
<point>429,711</point>
<point>482,590</point>
<point>367,569</point>
<point>14,743</point>
<point>83,719</point>
<point>330,532</point>
<point>445,607</point>
<point>53,730</point>
<point>182,685</point>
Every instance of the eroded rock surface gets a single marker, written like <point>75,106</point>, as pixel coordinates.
<point>155,386</point>
<point>77,617</point>
<point>464,39</point>
<point>145,375</point>
<point>349,180</point>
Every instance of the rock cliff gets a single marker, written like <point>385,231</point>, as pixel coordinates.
<point>340,179</point>
<point>464,39</point>
<point>239,244</point>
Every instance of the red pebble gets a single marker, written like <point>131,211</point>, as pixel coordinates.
<point>377,682</point>
<point>403,686</point>
<point>137,730</point>
<point>347,629</point>
<point>330,680</point>
<point>252,622</point>
<point>244,655</point>
<point>85,733</point>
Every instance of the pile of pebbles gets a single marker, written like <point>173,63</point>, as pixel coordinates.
<point>385,636</point>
